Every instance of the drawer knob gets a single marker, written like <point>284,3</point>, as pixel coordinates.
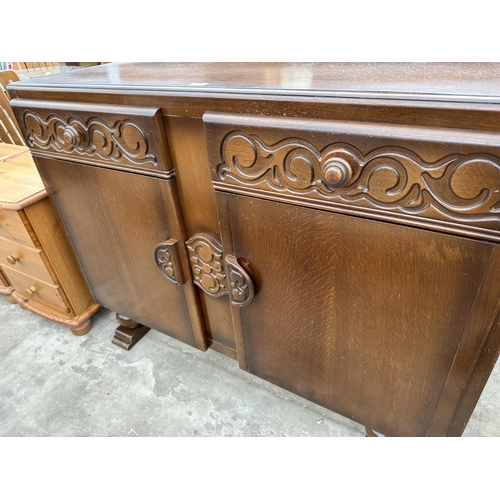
<point>336,172</point>
<point>72,137</point>
<point>31,291</point>
<point>13,258</point>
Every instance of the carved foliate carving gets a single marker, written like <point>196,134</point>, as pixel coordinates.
<point>123,140</point>
<point>212,276</point>
<point>168,261</point>
<point>394,178</point>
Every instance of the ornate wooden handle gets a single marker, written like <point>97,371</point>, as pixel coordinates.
<point>31,291</point>
<point>168,260</point>
<point>216,275</point>
<point>13,258</point>
<point>240,283</point>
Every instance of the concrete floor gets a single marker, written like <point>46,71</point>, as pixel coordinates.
<point>56,384</point>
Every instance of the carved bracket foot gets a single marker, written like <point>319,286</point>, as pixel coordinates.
<point>128,333</point>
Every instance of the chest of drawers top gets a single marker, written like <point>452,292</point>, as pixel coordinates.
<point>20,184</point>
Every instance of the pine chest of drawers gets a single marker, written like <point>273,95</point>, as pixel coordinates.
<point>333,227</point>
<point>38,267</point>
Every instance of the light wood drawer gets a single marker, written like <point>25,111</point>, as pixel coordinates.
<point>27,260</point>
<point>11,226</point>
<point>44,293</point>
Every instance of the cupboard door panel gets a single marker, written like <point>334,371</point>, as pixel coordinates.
<point>115,220</point>
<point>360,316</point>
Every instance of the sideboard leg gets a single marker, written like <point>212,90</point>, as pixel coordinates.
<point>129,332</point>
<point>370,433</point>
<point>82,329</point>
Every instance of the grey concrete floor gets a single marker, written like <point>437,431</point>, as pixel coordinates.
<point>55,384</point>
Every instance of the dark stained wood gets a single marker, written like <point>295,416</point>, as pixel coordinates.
<point>479,326</point>
<point>336,318</point>
<point>189,157</point>
<point>424,80</point>
<point>128,333</point>
<point>433,178</point>
<point>361,200</point>
<point>482,370</point>
<point>121,137</point>
<point>123,217</point>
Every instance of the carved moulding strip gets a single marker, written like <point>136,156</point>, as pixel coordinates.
<point>215,275</point>
<point>388,178</point>
<point>122,141</point>
<point>168,261</point>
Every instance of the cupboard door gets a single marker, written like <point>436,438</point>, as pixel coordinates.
<point>116,220</point>
<point>363,317</point>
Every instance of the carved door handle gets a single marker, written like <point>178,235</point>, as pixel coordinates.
<point>168,260</point>
<point>240,283</point>
<point>217,275</point>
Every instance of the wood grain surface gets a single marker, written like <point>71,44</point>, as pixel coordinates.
<point>361,199</point>
<point>21,185</point>
<point>123,217</point>
<point>428,80</point>
<point>340,314</point>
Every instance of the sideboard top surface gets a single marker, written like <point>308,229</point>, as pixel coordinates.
<point>465,82</point>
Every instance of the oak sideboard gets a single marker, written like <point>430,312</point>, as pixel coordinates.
<point>333,227</point>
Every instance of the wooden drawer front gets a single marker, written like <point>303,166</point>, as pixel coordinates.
<point>124,137</point>
<point>434,178</point>
<point>45,293</point>
<point>12,227</point>
<point>27,260</point>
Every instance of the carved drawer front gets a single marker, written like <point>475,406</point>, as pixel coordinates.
<point>12,227</point>
<point>429,177</point>
<point>37,290</point>
<point>22,258</point>
<point>123,137</point>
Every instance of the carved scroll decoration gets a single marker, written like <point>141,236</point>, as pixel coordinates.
<point>92,137</point>
<point>205,255</point>
<point>168,261</point>
<point>210,274</point>
<point>393,178</point>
